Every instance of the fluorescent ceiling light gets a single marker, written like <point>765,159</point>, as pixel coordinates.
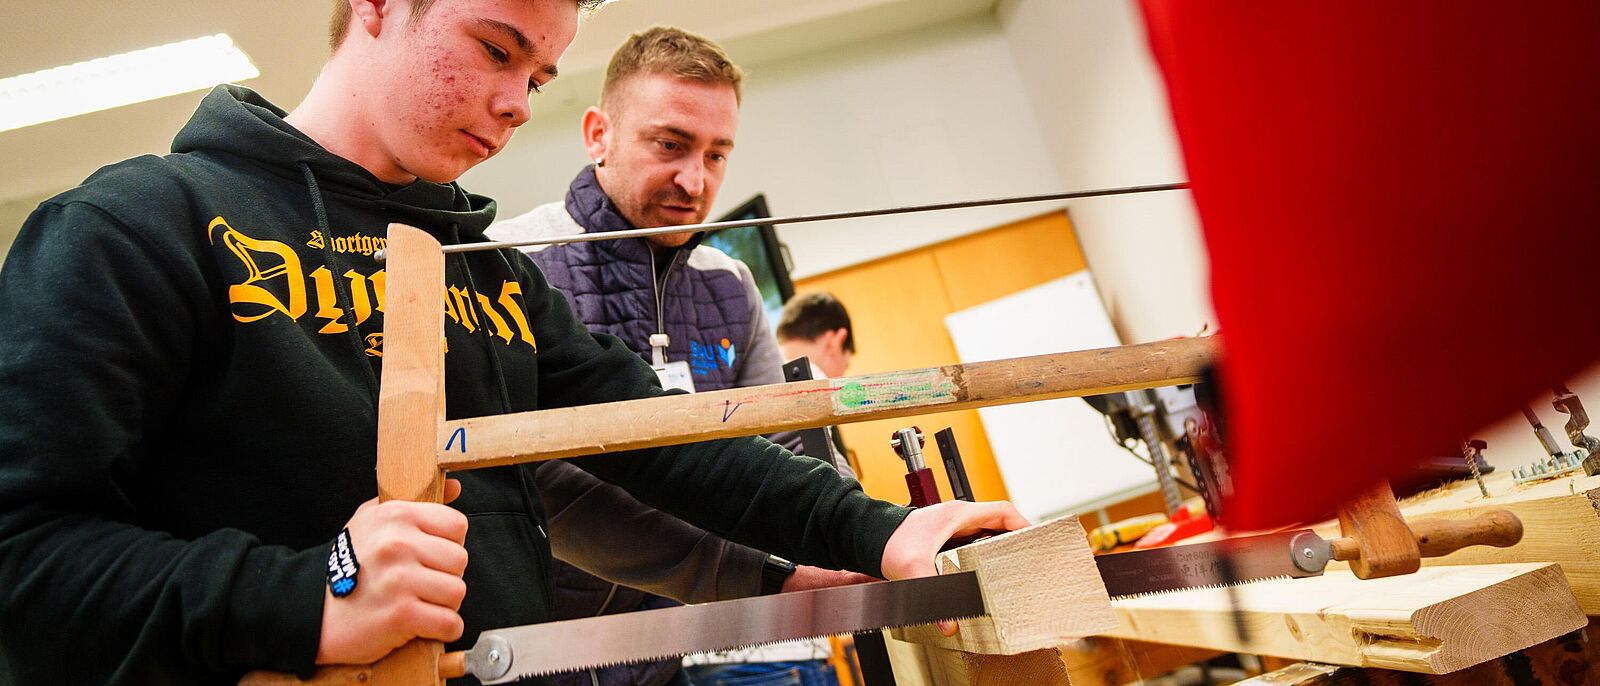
<point>124,79</point>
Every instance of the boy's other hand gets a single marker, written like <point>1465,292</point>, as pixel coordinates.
<point>913,547</point>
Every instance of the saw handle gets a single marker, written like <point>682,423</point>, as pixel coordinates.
<point>451,666</point>
<point>1440,537</point>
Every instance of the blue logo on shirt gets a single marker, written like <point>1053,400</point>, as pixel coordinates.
<point>705,358</point>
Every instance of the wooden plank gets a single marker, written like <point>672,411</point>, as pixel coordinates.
<point>1040,585</point>
<point>670,420</point>
<point>411,396</point>
<point>411,408</point>
<point>1569,660</point>
<point>1560,518</point>
<point>1437,620</point>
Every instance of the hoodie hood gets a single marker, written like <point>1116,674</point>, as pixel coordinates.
<point>236,122</point>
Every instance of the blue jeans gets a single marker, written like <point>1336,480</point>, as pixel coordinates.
<point>808,673</point>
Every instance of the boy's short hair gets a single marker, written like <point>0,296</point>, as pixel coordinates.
<point>674,52</point>
<point>809,315</point>
<point>340,22</point>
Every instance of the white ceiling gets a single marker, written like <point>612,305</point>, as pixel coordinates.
<point>285,38</point>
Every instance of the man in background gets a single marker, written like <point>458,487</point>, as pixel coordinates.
<point>817,327</point>
<point>660,139</point>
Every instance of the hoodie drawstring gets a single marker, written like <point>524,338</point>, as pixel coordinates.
<point>524,473</point>
<point>340,295</point>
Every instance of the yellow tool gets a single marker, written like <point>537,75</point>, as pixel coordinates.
<point>1125,532</point>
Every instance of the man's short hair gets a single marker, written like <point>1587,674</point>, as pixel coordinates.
<point>674,52</point>
<point>339,25</point>
<point>809,315</point>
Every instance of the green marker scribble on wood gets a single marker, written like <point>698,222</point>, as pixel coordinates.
<point>893,389</point>
<point>852,395</point>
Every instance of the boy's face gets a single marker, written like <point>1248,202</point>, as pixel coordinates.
<point>666,149</point>
<point>448,89</point>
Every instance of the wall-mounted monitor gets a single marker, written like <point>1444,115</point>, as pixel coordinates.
<point>758,248</point>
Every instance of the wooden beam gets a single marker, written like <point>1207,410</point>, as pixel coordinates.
<point>610,427</point>
<point>411,408</point>
<point>1560,518</point>
<point>1040,585</point>
<point>1435,621</point>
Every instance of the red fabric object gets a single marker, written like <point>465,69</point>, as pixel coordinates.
<point>1402,206</point>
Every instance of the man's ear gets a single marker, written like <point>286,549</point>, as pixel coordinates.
<point>368,15</point>
<point>596,133</point>
<point>835,340</point>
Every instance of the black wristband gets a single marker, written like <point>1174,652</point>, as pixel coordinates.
<point>774,572</point>
<point>342,566</point>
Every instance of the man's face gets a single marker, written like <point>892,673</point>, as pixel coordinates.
<point>666,150</point>
<point>447,90</point>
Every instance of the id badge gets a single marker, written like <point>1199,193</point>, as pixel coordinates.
<point>675,375</point>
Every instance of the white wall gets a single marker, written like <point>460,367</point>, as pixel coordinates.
<point>1092,83</point>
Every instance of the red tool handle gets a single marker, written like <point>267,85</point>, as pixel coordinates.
<point>923,490</point>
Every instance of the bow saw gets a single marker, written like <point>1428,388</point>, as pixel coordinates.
<point>416,449</point>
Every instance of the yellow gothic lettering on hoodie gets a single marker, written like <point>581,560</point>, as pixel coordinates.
<point>276,283</point>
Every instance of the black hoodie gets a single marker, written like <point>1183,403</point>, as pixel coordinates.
<point>190,348</point>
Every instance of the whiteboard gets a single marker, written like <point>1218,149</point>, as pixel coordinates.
<point>1056,456</point>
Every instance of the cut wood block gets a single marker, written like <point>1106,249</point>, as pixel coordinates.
<point>1040,585</point>
<point>1560,520</point>
<point>910,661</point>
<point>1571,660</point>
<point>1435,621</point>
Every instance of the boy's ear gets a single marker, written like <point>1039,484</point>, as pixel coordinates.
<point>368,15</point>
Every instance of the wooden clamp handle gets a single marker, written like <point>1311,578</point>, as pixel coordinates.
<point>451,666</point>
<point>1377,543</point>
<point>1440,537</point>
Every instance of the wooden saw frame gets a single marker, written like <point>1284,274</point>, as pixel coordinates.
<point>417,445</point>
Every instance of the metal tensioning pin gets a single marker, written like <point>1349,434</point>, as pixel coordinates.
<point>802,219</point>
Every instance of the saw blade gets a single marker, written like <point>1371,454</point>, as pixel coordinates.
<point>503,655</point>
<point>1200,565</point>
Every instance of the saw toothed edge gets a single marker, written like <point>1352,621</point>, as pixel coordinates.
<point>745,646</point>
<point>506,654</point>
<point>1207,587</point>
